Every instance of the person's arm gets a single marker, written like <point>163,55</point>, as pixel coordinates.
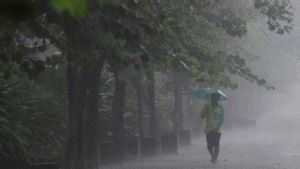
<point>204,111</point>
<point>221,119</point>
<point>222,116</point>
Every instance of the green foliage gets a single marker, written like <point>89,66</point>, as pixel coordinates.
<point>31,119</point>
<point>74,8</point>
<point>277,11</point>
<point>147,35</point>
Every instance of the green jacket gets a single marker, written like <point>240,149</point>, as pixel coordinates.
<point>214,117</point>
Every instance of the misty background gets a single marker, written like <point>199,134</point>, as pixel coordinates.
<point>108,85</point>
<point>278,62</point>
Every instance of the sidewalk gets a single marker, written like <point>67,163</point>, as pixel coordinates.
<point>248,151</point>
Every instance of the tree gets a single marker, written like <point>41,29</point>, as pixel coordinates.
<point>32,117</point>
<point>87,35</point>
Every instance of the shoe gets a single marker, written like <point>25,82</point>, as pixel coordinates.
<point>213,160</point>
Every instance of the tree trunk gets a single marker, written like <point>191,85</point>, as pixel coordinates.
<point>118,120</point>
<point>93,115</point>
<point>76,103</point>
<point>83,84</point>
<point>178,109</point>
<point>189,104</point>
<point>83,75</point>
<point>153,123</point>
<point>140,113</point>
<point>189,110</point>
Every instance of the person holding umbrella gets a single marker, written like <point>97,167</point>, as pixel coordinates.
<point>213,115</point>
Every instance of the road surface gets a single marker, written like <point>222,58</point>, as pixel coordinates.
<point>239,150</point>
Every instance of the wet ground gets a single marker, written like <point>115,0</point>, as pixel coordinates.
<point>239,150</point>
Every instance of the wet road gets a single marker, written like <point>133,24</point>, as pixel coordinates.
<point>239,150</point>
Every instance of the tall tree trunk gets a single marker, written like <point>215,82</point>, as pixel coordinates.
<point>93,115</point>
<point>189,104</point>
<point>77,86</point>
<point>153,123</point>
<point>178,108</point>
<point>79,39</point>
<point>118,120</point>
<point>154,126</point>
<point>189,110</point>
<point>139,96</point>
<point>83,84</point>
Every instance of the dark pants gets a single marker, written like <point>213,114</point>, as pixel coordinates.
<point>213,144</point>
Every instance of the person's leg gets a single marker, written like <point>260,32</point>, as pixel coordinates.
<point>216,146</point>
<point>215,153</point>
<point>209,141</point>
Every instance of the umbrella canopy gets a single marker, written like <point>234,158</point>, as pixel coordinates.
<point>205,94</point>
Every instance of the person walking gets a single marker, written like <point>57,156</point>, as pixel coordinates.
<point>213,115</point>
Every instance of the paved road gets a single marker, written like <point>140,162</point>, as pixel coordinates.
<point>239,150</point>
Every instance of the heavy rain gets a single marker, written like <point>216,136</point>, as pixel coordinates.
<point>149,84</point>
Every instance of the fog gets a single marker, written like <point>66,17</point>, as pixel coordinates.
<point>271,138</point>
<point>123,101</point>
<point>279,63</point>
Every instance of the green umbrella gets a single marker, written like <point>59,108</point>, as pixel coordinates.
<point>205,94</point>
